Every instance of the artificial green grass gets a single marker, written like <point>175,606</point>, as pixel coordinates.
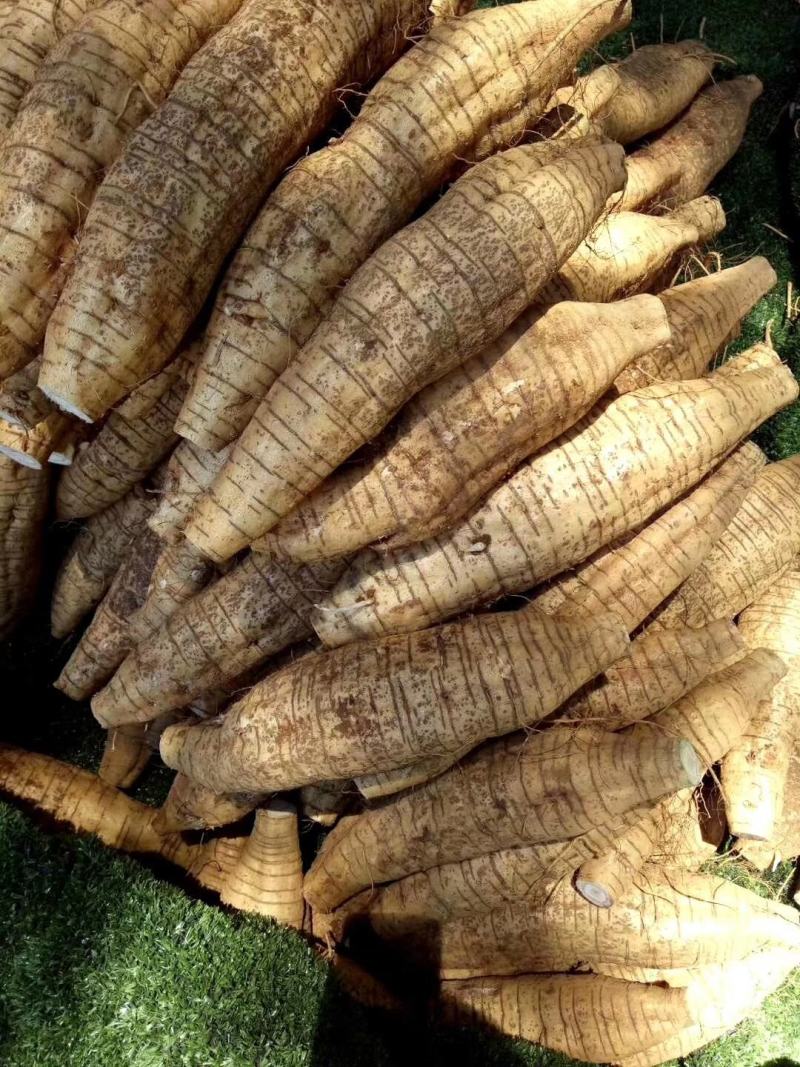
<point>105,963</point>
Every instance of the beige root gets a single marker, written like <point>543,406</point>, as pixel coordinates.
<point>682,162</point>
<point>633,576</point>
<point>33,447</point>
<point>656,83</point>
<point>668,836</point>
<point>722,997</point>
<point>464,433</point>
<point>588,1016</point>
<point>457,816</point>
<point>27,33</point>
<point>670,918</point>
<point>82,799</point>
<point>99,548</point>
<point>704,315</point>
<point>430,694</point>
<point>125,755</point>
<point>496,70</point>
<point>599,1021</point>
<point>255,611</point>
<point>592,486</point>
<point>189,472</point>
<point>754,772</point>
<point>716,713</point>
<point>191,807</point>
<point>109,637</point>
<point>24,496</point>
<point>268,876</point>
<point>628,252</point>
<point>393,347</point>
<point>658,670</point>
<point>759,545</point>
<point>384,783</point>
<point>785,841</point>
<point>131,443</point>
<point>478,885</point>
<point>22,403</point>
<point>174,205</point>
<point>178,574</point>
<point>95,87</point>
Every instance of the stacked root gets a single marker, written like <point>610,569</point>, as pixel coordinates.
<point>292,514</point>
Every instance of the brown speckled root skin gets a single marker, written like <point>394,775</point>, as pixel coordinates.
<point>496,68</point>
<point>96,86</point>
<point>179,574</point>
<point>28,30</point>
<point>190,178</point>
<point>130,444</point>
<point>668,836</point>
<point>255,611</point>
<point>22,403</point>
<point>428,694</point>
<point>590,487</point>
<point>754,772</point>
<point>593,1021</point>
<point>189,472</point>
<point>478,885</point>
<point>681,163</point>
<point>458,816</point>
<point>24,498</point>
<point>97,552</point>
<point>760,544</point>
<point>464,433</point>
<point>109,637</point>
<point>406,317</point>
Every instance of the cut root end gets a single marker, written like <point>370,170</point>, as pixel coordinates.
<point>62,458</point>
<point>594,893</point>
<point>750,835</point>
<point>691,763</point>
<point>22,458</point>
<point>63,404</point>
<point>12,419</point>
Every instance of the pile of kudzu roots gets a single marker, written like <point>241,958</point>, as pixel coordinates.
<point>312,424</point>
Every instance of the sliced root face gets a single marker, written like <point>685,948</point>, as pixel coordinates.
<point>594,893</point>
<point>63,404</point>
<point>22,458</point>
